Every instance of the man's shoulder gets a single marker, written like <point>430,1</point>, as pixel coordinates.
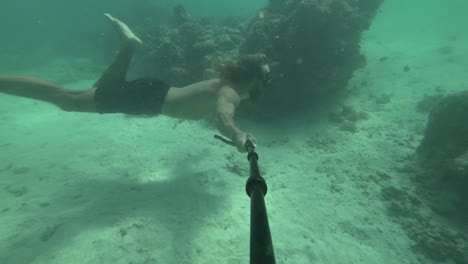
<point>227,93</point>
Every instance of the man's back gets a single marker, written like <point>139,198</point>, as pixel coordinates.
<point>198,100</point>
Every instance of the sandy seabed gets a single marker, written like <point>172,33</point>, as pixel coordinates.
<point>90,188</point>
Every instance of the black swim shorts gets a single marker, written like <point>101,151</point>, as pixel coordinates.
<point>144,96</point>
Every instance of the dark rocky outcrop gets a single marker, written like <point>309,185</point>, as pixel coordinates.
<point>315,45</point>
<point>443,156</point>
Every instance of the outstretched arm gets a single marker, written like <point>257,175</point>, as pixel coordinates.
<point>225,109</point>
<point>224,120</point>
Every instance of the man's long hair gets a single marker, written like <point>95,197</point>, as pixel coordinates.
<point>243,70</point>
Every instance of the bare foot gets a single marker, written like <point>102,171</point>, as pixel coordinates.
<point>127,37</point>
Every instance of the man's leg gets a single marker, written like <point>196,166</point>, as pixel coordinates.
<point>114,76</point>
<point>34,88</point>
<point>70,100</point>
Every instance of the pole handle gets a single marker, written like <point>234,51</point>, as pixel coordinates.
<point>249,145</point>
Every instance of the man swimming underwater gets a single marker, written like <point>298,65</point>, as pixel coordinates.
<point>214,99</point>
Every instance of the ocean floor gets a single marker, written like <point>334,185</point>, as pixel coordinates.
<point>89,188</point>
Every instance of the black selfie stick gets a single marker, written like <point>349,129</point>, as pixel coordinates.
<point>261,245</point>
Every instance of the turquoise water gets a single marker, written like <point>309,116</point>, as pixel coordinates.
<point>76,26</point>
<point>90,188</point>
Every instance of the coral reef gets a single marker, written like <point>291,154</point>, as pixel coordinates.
<point>185,52</point>
<point>315,45</point>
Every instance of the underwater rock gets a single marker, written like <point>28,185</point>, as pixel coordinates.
<point>446,135</point>
<point>182,53</point>
<point>428,102</point>
<point>443,158</point>
<point>315,45</point>
<point>181,15</point>
<point>434,211</point>
<point>459,165</point>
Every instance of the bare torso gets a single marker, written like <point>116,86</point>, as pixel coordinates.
<point>195,101</point>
